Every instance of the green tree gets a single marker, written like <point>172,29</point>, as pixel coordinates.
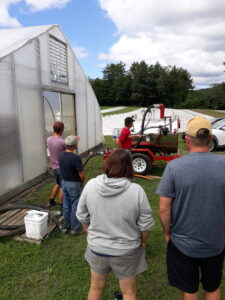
<point>116,85</point>
<point>140,87</point>
<point>174,86</point>
<point>145,85</point>
<point>99,89</point>
<point>155,73</point>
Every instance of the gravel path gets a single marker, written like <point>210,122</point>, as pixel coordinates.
<point>113,109</point>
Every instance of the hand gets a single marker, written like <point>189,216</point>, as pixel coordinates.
<point>143,245</point>
<point>137,136</point>
<point>85,227</point>
<point>167,237</point>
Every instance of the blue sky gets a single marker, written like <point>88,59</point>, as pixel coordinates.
<point>188,34</point>
<point>85,25</point>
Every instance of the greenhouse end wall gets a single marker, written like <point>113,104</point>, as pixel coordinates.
<point>24,76</point>
<point>22,141</point>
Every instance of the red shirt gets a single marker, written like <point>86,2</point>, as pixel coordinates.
<point>125,138</point>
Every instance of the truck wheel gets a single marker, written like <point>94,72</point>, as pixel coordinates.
<point>212,145</point>
<point>141,163</point>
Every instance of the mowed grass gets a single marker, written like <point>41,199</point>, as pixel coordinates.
<point>210,112</point>
<point>121,111</point>
<point>106,107</point>
<point>57,269</point>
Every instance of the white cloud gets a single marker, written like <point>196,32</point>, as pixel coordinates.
<point>5,19</point>
<point>80,52</point>
<point>37,5</point>
<point>34,5</point>
<point>188,34</point>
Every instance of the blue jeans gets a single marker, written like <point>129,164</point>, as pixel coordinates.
<point>71,195</point>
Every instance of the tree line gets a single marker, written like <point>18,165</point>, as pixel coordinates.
<point>212,98</point>
<point>143,85</point>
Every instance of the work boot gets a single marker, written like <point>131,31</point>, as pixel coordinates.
<point>51,202</point>
<point>78,232</point>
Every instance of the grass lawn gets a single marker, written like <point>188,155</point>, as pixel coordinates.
<point>210,112</point>
<point>57,270</point>
<point>107,107</point>
<point>121,111</point>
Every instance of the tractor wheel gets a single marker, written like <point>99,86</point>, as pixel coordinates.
<point>141,163</point>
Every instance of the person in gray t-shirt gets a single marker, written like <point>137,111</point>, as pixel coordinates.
<point>192,213</point>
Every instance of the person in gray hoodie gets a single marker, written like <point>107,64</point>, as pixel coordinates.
<point>117,216</point>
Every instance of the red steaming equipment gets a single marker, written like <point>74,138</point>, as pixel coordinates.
<point>160,143</point>
<point>162,109</point>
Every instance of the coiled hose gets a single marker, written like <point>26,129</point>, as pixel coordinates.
<point>52,215</point>
<point>16,229</point>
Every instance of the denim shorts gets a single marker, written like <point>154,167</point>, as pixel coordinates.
<point>58,178</point>
<point>122,266</point>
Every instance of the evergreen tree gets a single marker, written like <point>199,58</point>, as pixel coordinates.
<point>114,76</point>
<point>145,85</point>
<point>140,88</point>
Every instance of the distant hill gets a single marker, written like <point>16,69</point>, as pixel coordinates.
<point>212,98</point>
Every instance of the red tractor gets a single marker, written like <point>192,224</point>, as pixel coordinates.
<point>152,147</point>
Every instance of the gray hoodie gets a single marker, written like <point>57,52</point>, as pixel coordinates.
<point>117,211</point>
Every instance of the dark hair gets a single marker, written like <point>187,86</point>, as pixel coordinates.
<point>58,127</point>
<point>202,139</point>
<point>118,164</point>
<point>128,121</point>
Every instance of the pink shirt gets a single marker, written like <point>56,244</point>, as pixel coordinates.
<point>55,146</point>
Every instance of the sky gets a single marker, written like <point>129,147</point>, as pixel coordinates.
<point>188,34</point>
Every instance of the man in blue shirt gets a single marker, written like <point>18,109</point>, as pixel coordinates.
<point>192,213</point>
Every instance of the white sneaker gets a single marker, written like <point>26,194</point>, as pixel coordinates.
<point>62,229</point>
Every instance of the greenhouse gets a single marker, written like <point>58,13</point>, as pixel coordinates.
<point>41,81</point>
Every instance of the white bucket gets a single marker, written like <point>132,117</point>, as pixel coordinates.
<point>36,224</point>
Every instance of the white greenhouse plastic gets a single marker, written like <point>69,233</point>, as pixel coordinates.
<point>41,81</point>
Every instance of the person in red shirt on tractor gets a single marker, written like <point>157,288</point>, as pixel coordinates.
<point>125,139</point>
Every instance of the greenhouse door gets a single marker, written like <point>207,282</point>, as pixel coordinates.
<point>59,107</point>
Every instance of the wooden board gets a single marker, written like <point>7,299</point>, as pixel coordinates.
<point>16,217</point>
<point>147,177</point>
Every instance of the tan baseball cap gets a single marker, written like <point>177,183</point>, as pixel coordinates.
<point>197,123</point>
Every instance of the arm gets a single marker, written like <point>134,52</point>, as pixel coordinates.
<point>82,212</point>
<point>145,221</point>
<point>144,238</point>
<point>165,204</point>
<point>82,176</point>
<point>167,192</point>
<point>85,226</point>
<point>79,167</point>
<point>118,143</point>
<point>136,136</point>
